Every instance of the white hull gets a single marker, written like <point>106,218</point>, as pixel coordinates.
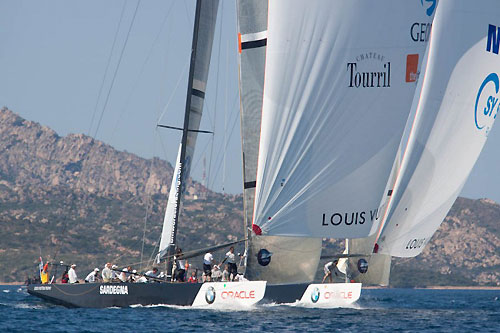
<point>331,295</point>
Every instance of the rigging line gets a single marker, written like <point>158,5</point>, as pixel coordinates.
<point>216,95</point>
<point>107,67</point>
<point>117,67</point>
<point>143,66</point>
<point>188,17</point>
<point>148,204</point>
<point>165,109</point>
<point>225,117</point>
<point>230,135</point>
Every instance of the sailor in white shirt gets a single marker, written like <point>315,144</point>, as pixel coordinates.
<point>107,273</point>
<point>91,278</point>
<point>208,260</point>
<point>72,274</point>
<point>114,274</point>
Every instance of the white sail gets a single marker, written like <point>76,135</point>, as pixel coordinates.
<point>339,80</point>
<point>169,219</point>
<point>455,107</point>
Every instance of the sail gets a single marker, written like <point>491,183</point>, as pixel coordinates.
<point>455,107</point>
<point>203,35</point>
<point>379,265</point>
<point>252,31</point>
<point>167,233</point>
<point>252,38</point>
<point>337,93</point>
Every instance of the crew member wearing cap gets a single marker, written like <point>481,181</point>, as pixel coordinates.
<point>92,277</point>
<point>72,274</point>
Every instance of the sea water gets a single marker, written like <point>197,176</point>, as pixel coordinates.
<point>378,310</point>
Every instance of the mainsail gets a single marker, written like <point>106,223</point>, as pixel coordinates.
<point>203,35</point>
<point>337,93</point>
<point>455,106</point>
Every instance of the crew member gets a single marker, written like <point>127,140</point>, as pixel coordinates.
<point>330,267</point>
<point>231,261</point>
<point>65,277</point>
<point>107,273</point>
<point>92,277</point>
<point>152,273</point>
<point>208,260</point>
<point>193,278</point>
<point>72,274</point>
<point>115,274</point>
<point>181,266</point>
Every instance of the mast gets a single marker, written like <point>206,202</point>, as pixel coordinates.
<point>201,50</point>
<point>185,129</point>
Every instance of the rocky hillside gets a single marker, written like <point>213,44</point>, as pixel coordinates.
<point>79,200</point>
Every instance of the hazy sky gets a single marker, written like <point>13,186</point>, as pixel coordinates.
<point>53,58</point>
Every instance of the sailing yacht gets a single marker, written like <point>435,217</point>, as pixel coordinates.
<point>330,92</point>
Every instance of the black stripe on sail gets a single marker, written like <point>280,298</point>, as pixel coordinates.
<point>198,93</point>
<point>250,185</point>
<point>254,44</point>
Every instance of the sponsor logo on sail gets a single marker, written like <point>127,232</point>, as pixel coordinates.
<point>362,266</point>
<point>369,70</point>
<point>415,243</point>
<point>264,257</point>
<point>430,6</point>
<point>487,106</point>
<point>113,290</point>
<point>315,295</point>
<point>493,41</point>
<point>420,31</point>
<point>352,218</point>
<point>210,295</point>
<point>412,72</point>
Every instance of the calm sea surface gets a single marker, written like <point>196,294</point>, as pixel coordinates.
<point>389,310</point>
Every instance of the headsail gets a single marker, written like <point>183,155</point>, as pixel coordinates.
<point>456,104</point>
<point>338,88</point>
<point>203,35</point>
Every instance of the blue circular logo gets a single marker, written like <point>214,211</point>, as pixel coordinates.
<point>486,114</point>
<point>264,257</point>
<point>210,295</point>
<point>315,295</point>
<point>362,266</point>
<point>431,8</point>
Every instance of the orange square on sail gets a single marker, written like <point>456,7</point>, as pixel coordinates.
<point>411,67</point>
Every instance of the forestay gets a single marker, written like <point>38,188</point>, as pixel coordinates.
<point>203,35</point>
<point>455,107</point>
<point>339,80</point>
